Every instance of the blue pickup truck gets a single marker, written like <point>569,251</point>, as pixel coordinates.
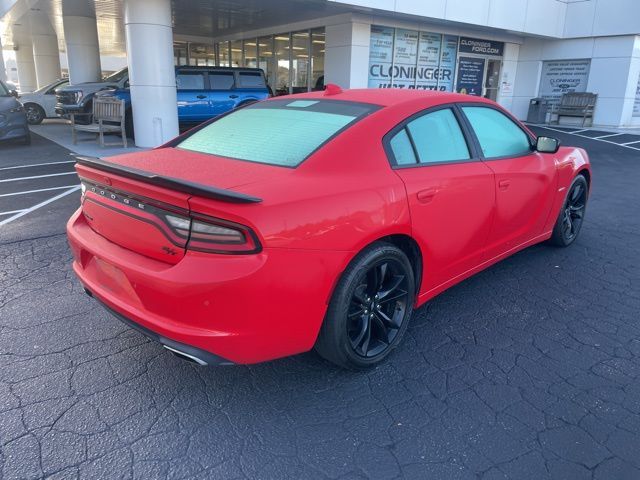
<point>203,92</point>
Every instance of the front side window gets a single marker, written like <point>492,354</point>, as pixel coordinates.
<point>276,132</point>
<point>499,136</point>
<point>438,138</point>
<point>4,90</point>
<point>190,81</point>
<point>221,80</point>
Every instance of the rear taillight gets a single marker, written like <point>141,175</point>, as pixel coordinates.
<point>208,234</point>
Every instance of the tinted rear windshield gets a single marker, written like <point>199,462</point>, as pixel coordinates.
<point>276,132</point>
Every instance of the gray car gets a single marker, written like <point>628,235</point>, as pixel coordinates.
<point>13,119</point>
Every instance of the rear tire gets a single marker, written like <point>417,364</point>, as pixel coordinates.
<point>571,216</point>
<point>370,308</point>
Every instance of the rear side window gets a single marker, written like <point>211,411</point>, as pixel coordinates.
<point>438,137</point>
<point>251,80</point>
<point>221,80</point>
<point>276,132</point>
<point>498,135</point>
<point>402,148</point>
<point>190,81</point>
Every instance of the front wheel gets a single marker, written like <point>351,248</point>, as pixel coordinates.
<point>571,215</point>
<point>370,308</point>
<point>35,113</point>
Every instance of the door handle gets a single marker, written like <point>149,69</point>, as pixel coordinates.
<point>425,196</point>
<point>504,184</point>
<point>201,96</point>
<point>233,96</point>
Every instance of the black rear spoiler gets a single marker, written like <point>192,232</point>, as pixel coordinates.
<point>168,182</point>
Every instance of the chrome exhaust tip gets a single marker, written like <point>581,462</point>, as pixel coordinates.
<point>186,356</point>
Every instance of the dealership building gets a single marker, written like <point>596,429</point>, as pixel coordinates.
<point>508,50</point>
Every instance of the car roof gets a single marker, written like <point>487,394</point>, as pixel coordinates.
<point>392,96</point>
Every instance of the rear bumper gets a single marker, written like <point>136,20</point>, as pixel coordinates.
<point>188,352</point>
<point>239,308</point>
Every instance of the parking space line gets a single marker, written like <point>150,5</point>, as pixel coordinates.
<point>607,136</point>
<point>630,143</point>
<point>39,205</point>
<point>12,212</point>
<point>36,176</point>
<point>592,138</point>
<point>36,191</point>
<point>37,165</point>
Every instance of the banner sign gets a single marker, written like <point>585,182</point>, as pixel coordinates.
<point>448,62</point>
<point>470,75</point>
<point>400,58</point>
<point>563,76</point>
<point>481,47</point>
<point>636,103</point>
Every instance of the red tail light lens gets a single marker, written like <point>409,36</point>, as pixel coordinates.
<point>207,234</point>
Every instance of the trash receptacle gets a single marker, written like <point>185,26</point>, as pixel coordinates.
<point>538,109</point>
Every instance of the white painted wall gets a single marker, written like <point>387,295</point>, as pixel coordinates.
<point>551,18</point>
<point>538,17</point>
<point>615,62</point>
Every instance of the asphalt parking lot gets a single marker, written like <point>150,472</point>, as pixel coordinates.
<point>529,370</point>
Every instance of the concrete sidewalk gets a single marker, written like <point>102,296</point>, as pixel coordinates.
<point>58,130</point>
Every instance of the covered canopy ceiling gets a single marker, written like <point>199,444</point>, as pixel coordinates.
<point>193,18</point>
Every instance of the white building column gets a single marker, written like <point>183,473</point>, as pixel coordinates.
<point>46,57</point>
<point>81,40</point>
<point>26,68</point>
<point>3,71</point>
<point>152,79</point>
<point>346,57</point>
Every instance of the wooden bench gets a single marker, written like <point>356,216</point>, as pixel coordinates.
<point>108,116</point>
<point>576,104</point>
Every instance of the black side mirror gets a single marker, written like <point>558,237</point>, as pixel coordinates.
<point>547,145</point>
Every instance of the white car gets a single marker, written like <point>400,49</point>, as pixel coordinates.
<point>41,103</point>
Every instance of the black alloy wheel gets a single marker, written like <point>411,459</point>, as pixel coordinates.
<point>378,307</point>
<point>571,217</point>
<point>370,308</point>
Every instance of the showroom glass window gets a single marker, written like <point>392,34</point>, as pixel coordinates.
<point>224,59</point>
<point>265,57</point>
<point>180,53</point>
<point>300,61</point>
<point>499,136</point>
<point>292,61</point>
<point>283,64</point>
<point>236,53</point>
<point>250,49</point>
<point>317,58</point>
<point>201,55</point>
<point>401,58</point>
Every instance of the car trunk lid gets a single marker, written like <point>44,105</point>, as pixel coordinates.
<point>141,201</point>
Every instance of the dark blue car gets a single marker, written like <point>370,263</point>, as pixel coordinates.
<point>206,92</point>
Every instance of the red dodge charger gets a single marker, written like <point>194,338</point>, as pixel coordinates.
<point>318,220</point>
